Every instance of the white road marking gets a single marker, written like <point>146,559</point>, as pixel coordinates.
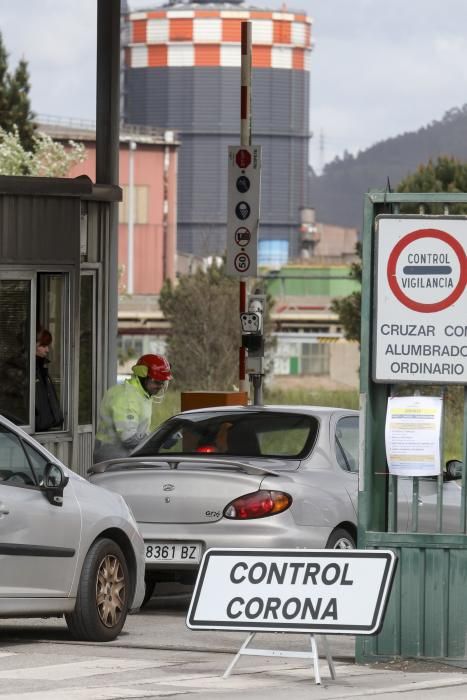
<point>79,669</point>
<point>107,693</point>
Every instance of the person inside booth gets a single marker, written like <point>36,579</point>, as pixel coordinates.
<point>48,410</point>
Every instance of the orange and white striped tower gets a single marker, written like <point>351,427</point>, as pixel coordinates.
<point>182,64</point>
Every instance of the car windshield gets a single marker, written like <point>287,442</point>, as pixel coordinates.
<point>234,433</point>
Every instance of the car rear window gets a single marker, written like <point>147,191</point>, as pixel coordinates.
<point>237,434</point>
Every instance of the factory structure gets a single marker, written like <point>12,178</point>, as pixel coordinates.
<point>180,112</point>
<point>182,72</point>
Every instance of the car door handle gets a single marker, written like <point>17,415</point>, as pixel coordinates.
<point>4,510</point>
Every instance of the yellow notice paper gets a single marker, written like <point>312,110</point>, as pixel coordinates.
<point>413,430</point>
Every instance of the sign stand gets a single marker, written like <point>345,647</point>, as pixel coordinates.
<point>313,654</point>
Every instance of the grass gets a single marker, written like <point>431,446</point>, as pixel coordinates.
<point>345,399</point>
<point>306,397</point>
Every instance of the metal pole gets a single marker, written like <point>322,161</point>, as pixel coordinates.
<point>108,92</point>
<point>245,140</point>
<point>107,152</point>
<point>131,216</point>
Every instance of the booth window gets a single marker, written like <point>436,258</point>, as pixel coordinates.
<point>15,324</point>
<point>31,303</point>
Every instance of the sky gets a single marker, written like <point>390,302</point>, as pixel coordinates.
<point>378,67</point>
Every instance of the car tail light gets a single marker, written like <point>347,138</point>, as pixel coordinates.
<point>259,504</point>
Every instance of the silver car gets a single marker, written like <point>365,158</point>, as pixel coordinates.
<point>272,476</point>
<point>66,546</point>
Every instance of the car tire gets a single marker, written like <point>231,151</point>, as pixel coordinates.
<point>103,592</point>
<point>340,539</point>
<point>150,583</point>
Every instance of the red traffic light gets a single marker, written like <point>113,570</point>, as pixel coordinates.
<point>243,158</point>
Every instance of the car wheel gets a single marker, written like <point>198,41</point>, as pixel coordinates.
<point>102,600</point>
<point>150,583</point>
<point>340,539</point>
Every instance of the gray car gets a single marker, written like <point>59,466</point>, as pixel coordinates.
<point>66,546</point>
<point>272,476</point>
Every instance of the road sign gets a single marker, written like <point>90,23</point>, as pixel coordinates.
<point>421,276</point>
<point>242,262</point>
<point>242,157</point>
<point>243,184</point>
<point>299,590</point>
<point>243,210</point>
<point>242,236</point>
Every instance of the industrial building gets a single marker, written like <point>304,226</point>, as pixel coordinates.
<point>147,221</point>
<point>182,72</point>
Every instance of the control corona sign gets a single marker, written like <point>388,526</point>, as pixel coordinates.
<point>298,590</point>
<point>420,331</point>
<point>243,211</point>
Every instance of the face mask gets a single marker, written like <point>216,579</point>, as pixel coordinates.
<point>159,395</point>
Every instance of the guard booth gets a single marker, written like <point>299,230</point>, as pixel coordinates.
<point>414,345</point>
<point>57,267</point>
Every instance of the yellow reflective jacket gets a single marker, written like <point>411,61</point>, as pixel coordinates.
<point>124,420</point>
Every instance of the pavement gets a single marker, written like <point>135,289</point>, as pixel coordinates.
<point>158,656</point>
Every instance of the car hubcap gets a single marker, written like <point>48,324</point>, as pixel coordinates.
<point>110,590</point>
<point>343,543</point>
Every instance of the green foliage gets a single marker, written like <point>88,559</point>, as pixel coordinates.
<point>15,107</point>
<point>445,174</point>
<point>308,397</point>
<point>348,308</point>
<point>205,330</point>
<point>296,397</point>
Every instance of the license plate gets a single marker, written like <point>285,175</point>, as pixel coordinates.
<point>183,552</point>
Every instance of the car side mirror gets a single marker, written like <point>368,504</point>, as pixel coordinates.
<point>53,483</point>
<point>453,469</point>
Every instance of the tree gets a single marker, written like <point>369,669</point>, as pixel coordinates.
<point>205,329</point>
<point>445,174</point>
<point>47,158</point>
<point>348,308</point>
<point>15,107</point>
<point>203,311</point>
<point>23,150</point>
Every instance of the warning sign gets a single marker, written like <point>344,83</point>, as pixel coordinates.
<point>243,210</point>
<point>421,278</point>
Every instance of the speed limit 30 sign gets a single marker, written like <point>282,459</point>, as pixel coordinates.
<point>420,332</point>
<point>243,210</point>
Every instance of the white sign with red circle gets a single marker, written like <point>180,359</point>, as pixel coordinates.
<point>420,329</point>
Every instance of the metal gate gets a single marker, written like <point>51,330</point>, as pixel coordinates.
<point>427,612</point>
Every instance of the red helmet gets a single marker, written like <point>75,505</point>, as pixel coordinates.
<point>153,366</point>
